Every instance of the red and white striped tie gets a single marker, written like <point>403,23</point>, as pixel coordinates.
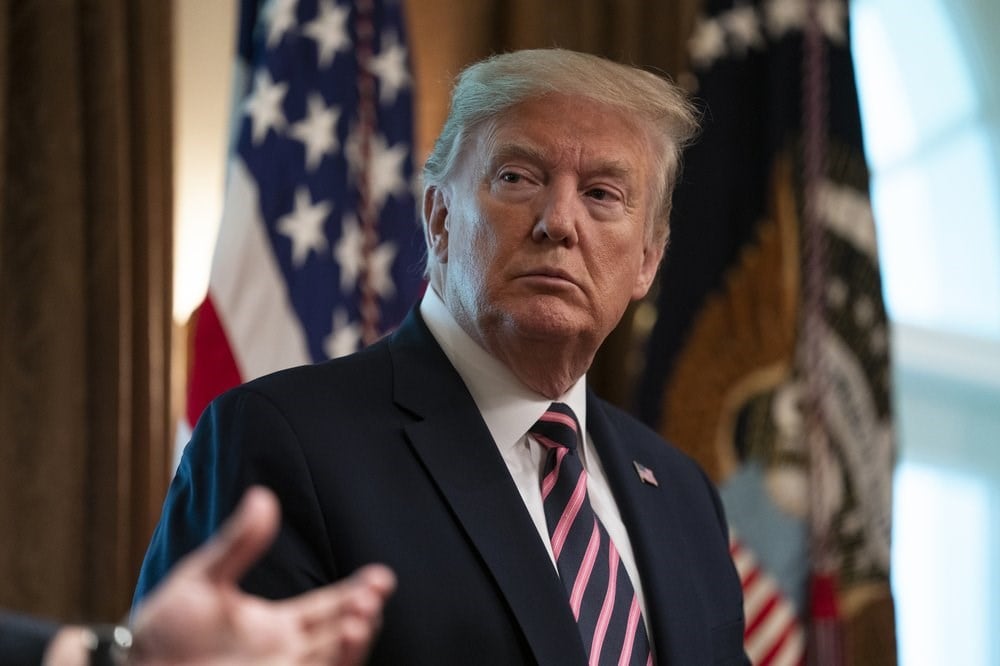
<point>601,595</point>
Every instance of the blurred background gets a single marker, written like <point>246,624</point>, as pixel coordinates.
<point>117,123</point>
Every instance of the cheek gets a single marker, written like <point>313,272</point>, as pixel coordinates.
<point>484,249</point>
<point>474,258</point>
<point>618,260</point>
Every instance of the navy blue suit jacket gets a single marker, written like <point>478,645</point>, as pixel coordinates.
<point>23,640</point>
<point>382,456</point>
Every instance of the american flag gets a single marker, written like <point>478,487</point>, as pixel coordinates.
<point>319,250</point>
<point>773,635</point>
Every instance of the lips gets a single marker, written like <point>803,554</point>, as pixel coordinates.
<point>548,275</point>
<point>550,272</point>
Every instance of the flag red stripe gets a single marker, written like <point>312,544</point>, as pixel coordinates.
<point>755,622</point>
<point>751,578</point>
<point>778,643</point>
<point>213,367</point>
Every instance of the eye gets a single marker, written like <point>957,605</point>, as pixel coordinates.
<point>511,177</point>
<point>599,194</point>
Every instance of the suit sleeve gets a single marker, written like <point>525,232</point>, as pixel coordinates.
<point>242,439</point>
<point>23,640</point>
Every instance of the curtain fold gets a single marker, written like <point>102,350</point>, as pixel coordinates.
<point>85,226</point>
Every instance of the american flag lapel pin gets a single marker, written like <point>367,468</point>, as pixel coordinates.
<point>645,474</point>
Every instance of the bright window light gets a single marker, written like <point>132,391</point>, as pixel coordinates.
<point>915,82</point>
<point>940,568</point>
<point>929,89</point>
<point>935,176</point>
<point>939,237</point>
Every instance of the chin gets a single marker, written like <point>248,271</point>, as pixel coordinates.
<point>547,322</point>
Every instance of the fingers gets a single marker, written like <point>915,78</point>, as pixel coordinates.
<point>378,582</point>
<point>241,540</point>
<point>378,578</point>
<point>363,593</point>
<point>356,637</point>
<point>341,620</point>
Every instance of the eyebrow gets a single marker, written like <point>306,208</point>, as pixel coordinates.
<point>610,168</point>
<point>504,152</point>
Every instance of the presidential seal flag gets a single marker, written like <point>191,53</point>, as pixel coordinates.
<point>319,250</point>
<point>769,360</point>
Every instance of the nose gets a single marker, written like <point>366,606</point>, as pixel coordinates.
<point>559,216</point>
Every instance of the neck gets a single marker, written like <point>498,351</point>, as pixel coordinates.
<point>549,368</point>
<point>549,364</point>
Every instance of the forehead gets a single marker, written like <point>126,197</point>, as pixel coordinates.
<point>570,131</point>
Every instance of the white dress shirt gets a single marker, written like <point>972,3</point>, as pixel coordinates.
<point>509,409</point>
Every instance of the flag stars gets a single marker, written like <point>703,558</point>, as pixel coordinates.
<point>352,151</point>
<point>348,253</point>
<point>390,67</point>
<point>708,43</point>
<point>379,270</point>
<point>280,19</point>
<point>739,29</point>
<point>329,30</point>
<point>784,16</point>
<point>743,27</point>
<point>832,17</point>
<point>264,106</point>
<point>304,226</point>
<point>733,32</point>
<point>345,338</point>
<point>386,170</point>
<point>317,131</point>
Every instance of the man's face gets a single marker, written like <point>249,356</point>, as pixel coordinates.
<point>543,232</point>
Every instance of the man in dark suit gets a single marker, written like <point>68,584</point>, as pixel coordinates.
<point>527,521</point>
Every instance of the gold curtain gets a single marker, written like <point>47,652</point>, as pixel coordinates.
<point>85,227</point>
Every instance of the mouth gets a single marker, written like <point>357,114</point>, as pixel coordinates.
<point>553,277</point>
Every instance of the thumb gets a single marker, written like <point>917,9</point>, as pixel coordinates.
<point>241,539</point>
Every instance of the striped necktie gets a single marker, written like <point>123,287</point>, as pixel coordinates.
<point>601,595</point>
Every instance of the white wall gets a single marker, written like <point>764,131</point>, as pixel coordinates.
<point>204,52</point>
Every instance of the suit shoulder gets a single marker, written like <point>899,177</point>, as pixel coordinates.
<point>343,376</point>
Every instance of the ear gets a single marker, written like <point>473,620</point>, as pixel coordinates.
<point>651,257</point>
<point>435,223</point>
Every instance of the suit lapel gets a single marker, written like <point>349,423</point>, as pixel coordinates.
<point>651,518</point>
<point>454,444</point>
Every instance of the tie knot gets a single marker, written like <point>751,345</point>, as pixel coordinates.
<point>557,427</point>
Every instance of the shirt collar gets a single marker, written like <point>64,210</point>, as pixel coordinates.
<point>508,407</point>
